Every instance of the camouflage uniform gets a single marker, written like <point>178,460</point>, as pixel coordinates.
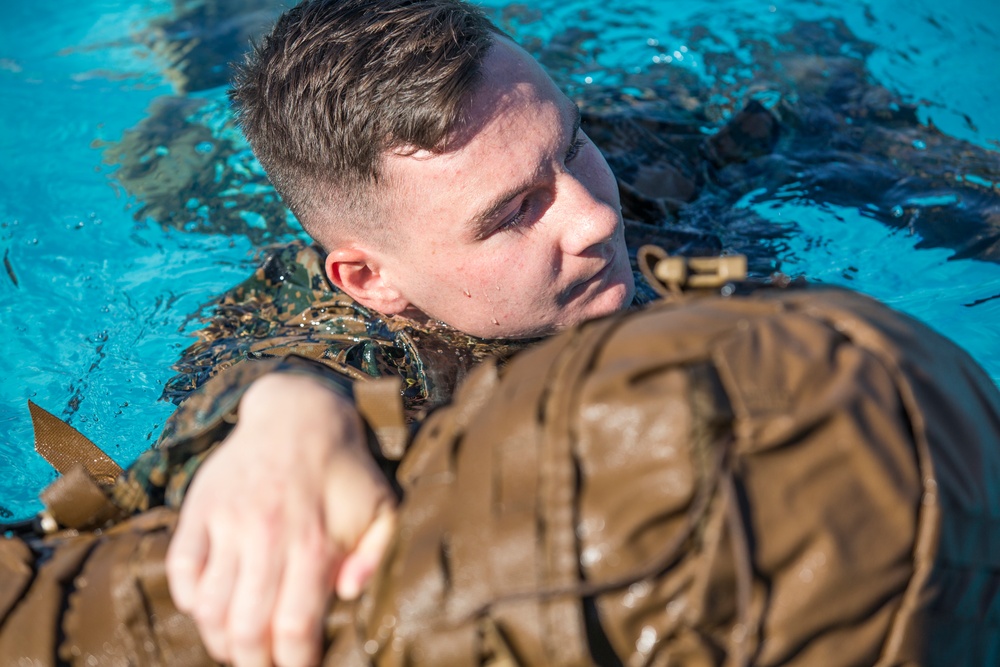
<point>287,318</point>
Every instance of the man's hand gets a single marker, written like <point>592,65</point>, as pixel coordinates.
<point>289,509</point>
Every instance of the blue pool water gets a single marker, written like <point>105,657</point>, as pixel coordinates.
<point>96,305</point>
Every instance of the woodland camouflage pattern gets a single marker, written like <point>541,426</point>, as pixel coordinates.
<point>288,308</point>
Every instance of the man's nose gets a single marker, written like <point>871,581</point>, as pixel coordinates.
<point>588,220</point>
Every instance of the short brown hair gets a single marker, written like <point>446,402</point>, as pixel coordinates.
<point>338,83</point>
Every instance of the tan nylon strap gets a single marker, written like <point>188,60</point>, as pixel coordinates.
<point>32,628</point>
<point>76,501</point>
<point>16,562</point>
<point>647,258</point>
<point>63,447</point>
<point>380,403</point>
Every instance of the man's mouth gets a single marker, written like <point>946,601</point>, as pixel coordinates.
<point>600,275</point>
<point>579,287</point>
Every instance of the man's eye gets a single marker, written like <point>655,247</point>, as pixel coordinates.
<point>574,149</point>
<point>515,221</point>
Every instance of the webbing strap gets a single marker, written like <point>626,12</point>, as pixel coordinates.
<point>63,447</point>
<point>75,500</point>
<point>380,403</point>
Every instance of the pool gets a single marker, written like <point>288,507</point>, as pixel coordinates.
<point>127,199</point>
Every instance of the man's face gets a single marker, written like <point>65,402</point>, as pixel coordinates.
<point>516,231</point>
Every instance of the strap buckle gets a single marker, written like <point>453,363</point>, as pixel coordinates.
<point>700,272</point>
<point>671,275</point>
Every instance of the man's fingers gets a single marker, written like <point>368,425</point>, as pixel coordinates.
<point>215,590</point>
<point>248,624</point>
<point>260,541</point>
<point>360,564</point>
<point>186,559</point>
<point>298,615</point>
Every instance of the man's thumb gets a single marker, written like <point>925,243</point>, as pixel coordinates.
<point>361,563</point>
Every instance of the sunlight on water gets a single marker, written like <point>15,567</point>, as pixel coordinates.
<point>93,303</point>
<point>840,246</point>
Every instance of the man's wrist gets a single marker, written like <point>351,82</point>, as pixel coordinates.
<point>293,396</point>
<point>318,372</point>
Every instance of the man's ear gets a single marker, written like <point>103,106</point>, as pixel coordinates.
<point>357,273</point>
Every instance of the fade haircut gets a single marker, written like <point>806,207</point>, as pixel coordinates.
<point>339,83</point>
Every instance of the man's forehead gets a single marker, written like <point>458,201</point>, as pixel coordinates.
<point>510,87</point>
<point>495,137</point>
<point>517,121</point>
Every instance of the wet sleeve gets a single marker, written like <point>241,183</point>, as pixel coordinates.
<point>285,318</point>
<point>161,475</point>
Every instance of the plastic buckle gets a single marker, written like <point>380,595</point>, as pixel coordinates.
<point>700,272</point>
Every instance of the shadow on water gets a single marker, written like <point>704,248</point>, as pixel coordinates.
<point>203,37</point>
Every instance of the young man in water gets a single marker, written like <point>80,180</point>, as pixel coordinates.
<point>448,179</point>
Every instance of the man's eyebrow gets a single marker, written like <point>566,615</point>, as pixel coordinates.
<point>480,224</point>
